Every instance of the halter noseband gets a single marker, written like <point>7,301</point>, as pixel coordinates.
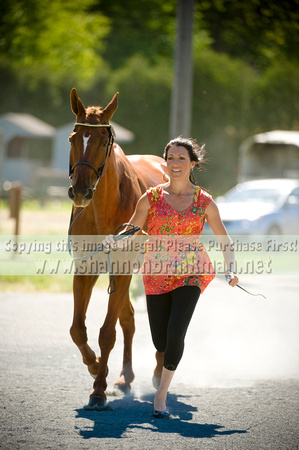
<point>99,171</point>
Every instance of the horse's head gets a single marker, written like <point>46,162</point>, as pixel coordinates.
<point>91,142</point>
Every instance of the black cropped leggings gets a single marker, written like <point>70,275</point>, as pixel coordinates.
<point>169,317</point>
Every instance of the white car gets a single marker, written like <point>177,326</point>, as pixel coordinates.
<point>261,207</point>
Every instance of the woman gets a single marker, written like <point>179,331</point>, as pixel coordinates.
<point>178,207</point>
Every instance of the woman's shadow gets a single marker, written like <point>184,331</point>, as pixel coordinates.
<point>125,414</point>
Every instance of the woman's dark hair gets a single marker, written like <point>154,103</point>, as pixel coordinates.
<point>196,152</point>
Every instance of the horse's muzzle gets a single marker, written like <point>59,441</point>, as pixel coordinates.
<point>80,197</point>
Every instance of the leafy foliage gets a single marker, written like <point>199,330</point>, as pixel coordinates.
<point>275,98</point>
<point>258,31</point>
<point>144,102</point>
<point>52,39</point>
<point>143,27</point>
<point>246,68</point>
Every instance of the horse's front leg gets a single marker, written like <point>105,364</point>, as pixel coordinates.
<point>107,339</point>
<point>127,323</point>
<point>82,287</point>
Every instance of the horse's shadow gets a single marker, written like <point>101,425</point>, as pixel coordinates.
<point>126,414</point>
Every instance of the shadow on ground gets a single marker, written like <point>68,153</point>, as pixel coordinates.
<point>128,414</point>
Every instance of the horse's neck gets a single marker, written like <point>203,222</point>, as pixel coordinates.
<point>115,196</point>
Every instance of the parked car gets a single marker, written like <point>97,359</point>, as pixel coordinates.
<point>261,207</point>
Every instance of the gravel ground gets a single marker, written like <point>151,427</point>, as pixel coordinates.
<point>236,387</point>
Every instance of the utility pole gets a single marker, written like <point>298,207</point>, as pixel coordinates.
<point>181,101</point>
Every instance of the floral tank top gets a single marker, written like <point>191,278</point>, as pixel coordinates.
<point>174,255</point>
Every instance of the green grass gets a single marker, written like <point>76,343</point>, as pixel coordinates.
<point>35,205</point>
<point>59,284</point>
<point>41,283</point>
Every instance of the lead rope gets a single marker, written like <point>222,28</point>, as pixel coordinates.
<point>72,220</point>
<point>228,278</point>
<point>124,235</point>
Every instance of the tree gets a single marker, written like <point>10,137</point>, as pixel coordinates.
<point>53,39</point>
<point>258,31</point>
<point>145,27</point>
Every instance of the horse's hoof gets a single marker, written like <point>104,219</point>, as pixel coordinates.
<point>96,404</point>
<point>125,388</point>
<point>124,383</point>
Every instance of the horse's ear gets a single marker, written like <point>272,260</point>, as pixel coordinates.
<point>110,109</point>
<point>76,104</point>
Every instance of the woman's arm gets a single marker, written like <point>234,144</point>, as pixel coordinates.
<point>141,211</point>
<point>138,219</point>
<point>225,242</point>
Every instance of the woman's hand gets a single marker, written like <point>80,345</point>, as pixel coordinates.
<point>109,243</point>
<point>139,218</point>
<point>113,242</point>
<point>232,278</point>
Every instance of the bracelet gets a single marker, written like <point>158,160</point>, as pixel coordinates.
<point>228,274</point>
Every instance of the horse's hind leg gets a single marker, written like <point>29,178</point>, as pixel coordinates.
<point>127,323</point>
<point>82,287</point>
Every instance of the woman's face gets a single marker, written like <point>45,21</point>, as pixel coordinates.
<point>178,162</point>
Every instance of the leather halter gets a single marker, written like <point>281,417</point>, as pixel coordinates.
<point>99,171</point>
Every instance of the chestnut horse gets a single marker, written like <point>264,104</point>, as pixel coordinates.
<point>105,186</point>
